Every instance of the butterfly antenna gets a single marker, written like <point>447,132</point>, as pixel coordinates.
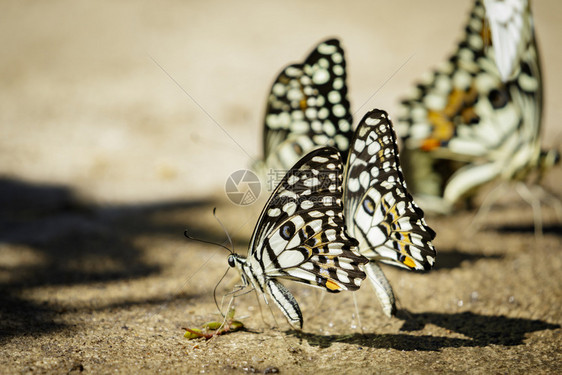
<point>224,229</point>
<point>215,292</point>
<point>186,234</point>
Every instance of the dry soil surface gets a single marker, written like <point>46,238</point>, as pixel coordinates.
<point>120,123</point>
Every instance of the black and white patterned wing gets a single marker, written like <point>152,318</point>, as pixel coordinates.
<point>308,108</point>
<point>468,124</point>
<point>379,211</point>
<point>301,232</point>
<point>301,235</point>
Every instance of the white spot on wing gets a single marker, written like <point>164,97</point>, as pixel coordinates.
<point>338,70</point>
<point>289,259</point>
<point>274,212</point>
<point>278,89</point>
<point>321,76</point>
<point>334,97</point>
<point>290,208</point>
<point>326,49</point>
<point>339,110</point>
<point>305,205</point>
<point>338,83</point>
<point>353,185</point>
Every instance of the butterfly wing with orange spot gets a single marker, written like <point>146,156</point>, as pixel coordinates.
<point>379,211</point>
<point>479,113</point>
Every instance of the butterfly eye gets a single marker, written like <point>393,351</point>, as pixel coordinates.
<point>369,206</point>
<point>231,261</point>
<point>287,230</point>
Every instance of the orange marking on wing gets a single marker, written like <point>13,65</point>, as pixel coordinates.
<point>442,125</point>
<point>468,114</point>
<point>459,103</point>
<point>409,262</point>
<point>406,239</point>
<point>332,285</point>
<point>455,102</point>
<point>430,144</point>
<point>315,241</point>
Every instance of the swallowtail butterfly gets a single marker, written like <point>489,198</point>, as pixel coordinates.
<point>301,236</point>
<point>478,117</point>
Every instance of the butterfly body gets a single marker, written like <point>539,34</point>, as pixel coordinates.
<point>270,286</point>
<point>478,118</point>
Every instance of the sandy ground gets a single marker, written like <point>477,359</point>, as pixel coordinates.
<point>120,124</point>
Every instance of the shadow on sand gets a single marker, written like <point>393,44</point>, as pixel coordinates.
<point>449,259</point>
<point>550,229</point>
<point>481,330</point>
<point>52,239</point>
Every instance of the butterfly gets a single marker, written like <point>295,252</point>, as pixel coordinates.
<point>308,107</point>
<point>379,211</point>
<point>300,236</point>
<point>478,118</point>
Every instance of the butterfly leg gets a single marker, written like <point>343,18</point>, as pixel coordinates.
<point>286,302</point>
<point>549,199</point>
<point>318,304</point>
<point>234,282</point>
<point>528,196</point>
<point>485,208</point>
<point>226,316</point>
<point>357,313</point>
<point>235,293</point>
<point>261,310</point>
<point>382,288</point>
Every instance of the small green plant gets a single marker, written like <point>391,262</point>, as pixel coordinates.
<point>211,329</point>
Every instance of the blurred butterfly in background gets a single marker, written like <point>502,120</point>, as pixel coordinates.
<point>478,118</point>
<point>308,108</point>
<point>300,236</point>
<point>379,212</point>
